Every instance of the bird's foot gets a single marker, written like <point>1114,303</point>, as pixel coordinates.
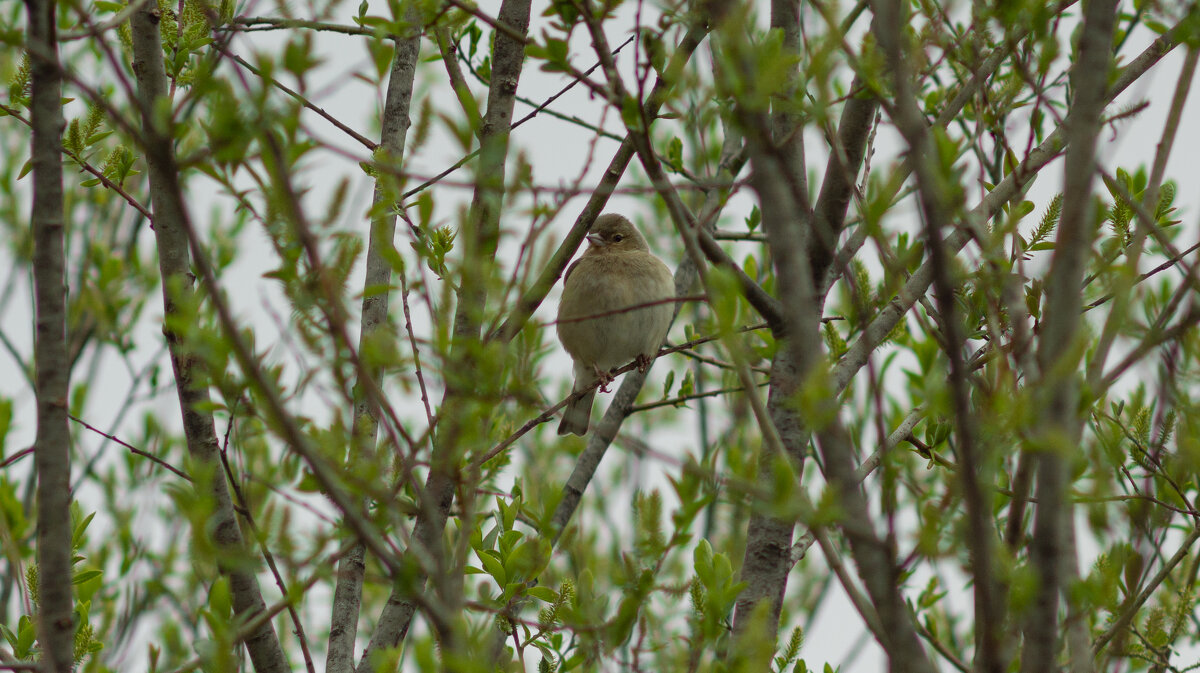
<point>643,362</point>
<point>604,377</point>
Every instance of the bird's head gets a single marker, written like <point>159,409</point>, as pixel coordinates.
<point>614,233</point>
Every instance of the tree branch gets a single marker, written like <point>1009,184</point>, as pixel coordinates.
<point>933,191</point>
<point>171,235</point>
<point>533,297</point>
<point>52,455</point>
<point>1058,428</point>
<point>347,597</point>
<point>480,239</point>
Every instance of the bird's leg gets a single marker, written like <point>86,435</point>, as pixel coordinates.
<point>604,377</point>
<point>643,362</point>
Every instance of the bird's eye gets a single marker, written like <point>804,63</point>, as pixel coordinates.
<point>617,238</point>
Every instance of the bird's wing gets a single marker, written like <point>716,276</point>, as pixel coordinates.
<point>570,269</point>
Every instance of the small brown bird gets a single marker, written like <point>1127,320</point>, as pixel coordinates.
<point>616,306</point>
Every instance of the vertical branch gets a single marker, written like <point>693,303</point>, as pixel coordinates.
<point>874,558</point>
<point>786,119</point>
<point>845,160</point>
<point>1052,553</point>
<point>347,597</point>
<point>802,362</point>
<point>480,238</point>
<point>55,610</point>
<point>934,189</point>
<point>778,163</point>
<point>171,235</point>
<point>767,558</point>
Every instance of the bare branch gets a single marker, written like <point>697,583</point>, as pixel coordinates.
<point>52,454</point>
<point>1052,552</point>
<point>347,597</point>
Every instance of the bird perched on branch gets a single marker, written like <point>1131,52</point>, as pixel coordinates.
<point>617,305</point>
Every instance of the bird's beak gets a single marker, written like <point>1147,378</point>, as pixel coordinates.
<point>596,240</point>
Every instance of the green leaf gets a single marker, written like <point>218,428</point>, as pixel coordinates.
<point>675,154</point>
<point>80,530</point>
<point>26,636</point>
<point>220,600</point>
<point>753,219</point>
<point>631,113</point>
<point>543,594</point>
<point>493,566</point>
<point>85,575</point>
<point>702,563</point>
<point>688,387</point>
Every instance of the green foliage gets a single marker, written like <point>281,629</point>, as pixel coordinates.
<point>759,69</point>
<point>791,650</point>
<point>647,572</point>
<point>86,580</point>
<point>19,84</point>
<point>650,540</point>
<point>714,590</point>
<point>1038,239</point>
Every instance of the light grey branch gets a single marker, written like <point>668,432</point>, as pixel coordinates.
<point>1052,553</point>
<point>171,230</point>
<point>479,242</point>
<point>347,597</point>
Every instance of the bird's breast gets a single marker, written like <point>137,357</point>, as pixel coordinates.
<point>615,308</point>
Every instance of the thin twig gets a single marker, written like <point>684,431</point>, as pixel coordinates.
<point>132,449</point>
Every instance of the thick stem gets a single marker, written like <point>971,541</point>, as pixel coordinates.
<point>841,170</point>
<point>1060,425</point>
<point>479,239</point>
<point>938,213</point>
<point>171,235</point>
<point>767,558</point>
<point>347,595</point>
<point>55,609</point>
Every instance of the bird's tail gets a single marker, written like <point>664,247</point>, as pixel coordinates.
<point>577,415</point>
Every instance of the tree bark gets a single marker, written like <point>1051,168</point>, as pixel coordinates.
<point>55,609</point>
<point>347,596</point>
<point>170,232</point>
<point>1052,552</point>
<point>938,214</point>
<point>767,558</point>
<point>479,242</point>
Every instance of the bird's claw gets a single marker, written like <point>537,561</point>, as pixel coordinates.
<point>605,379</point>
<point>643,362</point>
